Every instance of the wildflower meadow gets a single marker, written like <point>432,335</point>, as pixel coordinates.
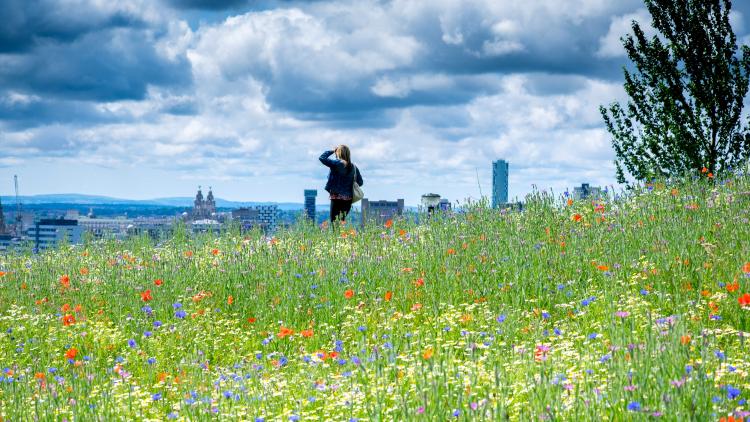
<point>635,308</point>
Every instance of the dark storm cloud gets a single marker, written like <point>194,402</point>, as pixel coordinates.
<point>59,59</point>
<point>207,4</point>
<point>21,113</point>
<point>27,22</point>
<point>111,65</point>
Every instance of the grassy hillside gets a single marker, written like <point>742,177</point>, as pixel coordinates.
<point>628,309</point>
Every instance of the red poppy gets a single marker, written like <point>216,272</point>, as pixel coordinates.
<point>419,282</point>
<point>349,293</point>
<point>252,320</point>
<point>746,268</point>
<point>84,271</point>
<point>307,333</point>
<point>230,300</point>
<point>577,217</point>
<point>158,282</point>
<point>146,295</point>
<point>602,268</point>
<point>215,252</point>
<point>744,300</point>
<point>733,287</point>
<point>285,332</point>
<point>704,170</point>
<point>65,281</point>
<point>388,296</point>
<point>428,353</point>
<point>65,308</point>
<point>389,224</point>
<point>71,353</point>
<point>68,319</point>
<point>570,202</point>
<point>416,307</point>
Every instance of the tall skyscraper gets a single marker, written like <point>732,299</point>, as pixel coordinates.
<point>310,195</point>
<point>499,183</point>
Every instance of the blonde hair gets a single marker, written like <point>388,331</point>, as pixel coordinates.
<point>344,154</point>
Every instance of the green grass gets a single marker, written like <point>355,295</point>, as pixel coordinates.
<point>492,316</point>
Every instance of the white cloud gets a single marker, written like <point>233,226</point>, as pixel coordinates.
<point>611,44</point>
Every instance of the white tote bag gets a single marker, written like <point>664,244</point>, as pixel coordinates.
<point>357,194</point>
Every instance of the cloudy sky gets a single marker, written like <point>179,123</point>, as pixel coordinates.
<point>151,98</point>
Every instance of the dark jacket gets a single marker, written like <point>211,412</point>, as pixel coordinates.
<point>340,178</point>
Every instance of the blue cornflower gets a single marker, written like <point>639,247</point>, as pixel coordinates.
<point>361,328</point>
<point>151,361</point>
<point>147,333</point>
<point>560,286</point>
<point>180,314</point>
<point>157,324</point>
<point>732,392</point>
<point>644,292</point>
<point>592,336</point>
<point>634,406</point>
<point>132,344</point>
<point>456,413</point>
<point>605,358</point>
<point>688,369</point>
<point>557,331</point>
<point>283,360</point>
<point>545,315</point>
<point>227,394</point>
<point>720,355</point>
<point>156,396</point>
<point>177,305</point>
<point>147,309</point>
<point>501,318</point>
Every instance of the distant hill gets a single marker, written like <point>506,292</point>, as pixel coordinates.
<point>79,199</point>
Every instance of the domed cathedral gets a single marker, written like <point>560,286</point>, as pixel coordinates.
<point>204,209</point>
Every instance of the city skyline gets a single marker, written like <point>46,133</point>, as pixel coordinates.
<point>141,99</point>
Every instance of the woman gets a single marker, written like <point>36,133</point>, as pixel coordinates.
<point>340,184</point>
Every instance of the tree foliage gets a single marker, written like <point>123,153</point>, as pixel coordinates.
<point>687,87</point>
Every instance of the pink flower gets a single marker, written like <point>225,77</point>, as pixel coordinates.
<point>622,314</point>
<point>420,410</point>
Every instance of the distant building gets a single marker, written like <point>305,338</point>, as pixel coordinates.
<point>156,228</point>
<point>6,242</point>
<point>263,216</point>
<point>499,183</point>
<point>203,209</point>
<point>3,227</point>
<point>379,212</point>
<point>430,202</point>
<point>310,195</point>
<point>47,233</point>
<point>585,191</point>
<point>206,225</point>
<point>105,227</point>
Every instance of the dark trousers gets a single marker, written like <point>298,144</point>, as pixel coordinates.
<point>340,208</point>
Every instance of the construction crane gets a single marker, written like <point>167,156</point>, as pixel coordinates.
<point>19,227</point>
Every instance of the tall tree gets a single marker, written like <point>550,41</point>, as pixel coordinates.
<point>687,88</point>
